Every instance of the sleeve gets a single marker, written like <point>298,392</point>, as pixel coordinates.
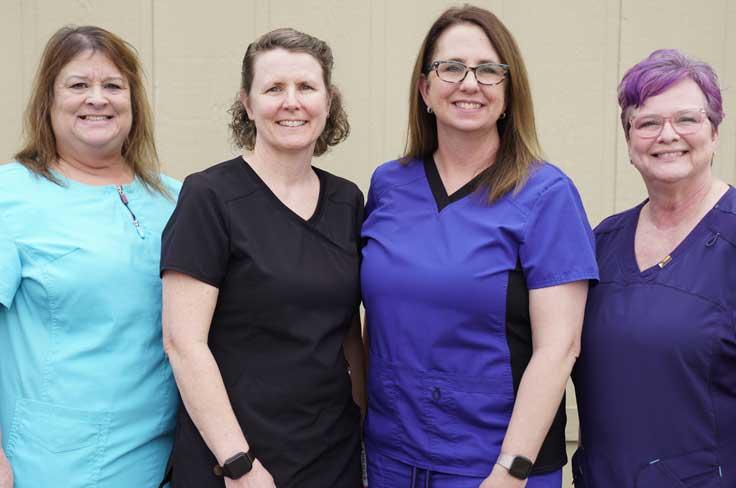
<point>196,240</point>
<point>558,245</point>
<point>10,266</point>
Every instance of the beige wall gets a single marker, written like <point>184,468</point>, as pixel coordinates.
<point>575,50</point>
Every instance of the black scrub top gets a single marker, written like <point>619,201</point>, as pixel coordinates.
<point>288,289</point>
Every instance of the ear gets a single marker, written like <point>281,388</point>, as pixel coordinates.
<point>245,101</point>
<point>423,86</point>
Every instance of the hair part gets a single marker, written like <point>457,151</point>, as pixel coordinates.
<point>657,73</point>
<point>337,127</point>
<point>39,150</point>
<point>519,145</point>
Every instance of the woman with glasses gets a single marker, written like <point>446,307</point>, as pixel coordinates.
<point>656,382</point>
<point>476,261</point>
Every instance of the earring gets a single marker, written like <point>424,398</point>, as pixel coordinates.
<point>502,116</point>
<point>429,109</point>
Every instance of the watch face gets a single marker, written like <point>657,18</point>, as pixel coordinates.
<point>520,467</point>
<point>237,466</point>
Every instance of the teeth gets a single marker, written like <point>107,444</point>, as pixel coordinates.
<point>95,117</point>
<point>292,123</point>
<point>468,105</point>
<point>670,154</point>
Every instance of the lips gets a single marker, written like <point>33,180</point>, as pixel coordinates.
<point>467,105</point>
<point>669,155</point>
<point>95,118</point>
<point>291,123</point>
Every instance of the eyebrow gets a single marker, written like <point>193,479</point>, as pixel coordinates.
<point>84,77</point>
<point>482,61</point>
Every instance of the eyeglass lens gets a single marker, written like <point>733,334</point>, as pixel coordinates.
<point>487,74</point>
<point>684,122</point>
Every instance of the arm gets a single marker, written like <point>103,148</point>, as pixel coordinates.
<point>557,316</point>
<point>6,471</point>
<point>353,347</point>
<point>188,306</point>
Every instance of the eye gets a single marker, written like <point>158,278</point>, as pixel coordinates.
<point>453,67</point>
<point>78,85</point>
<point>648,123</point>
<point>306,87</point>
<point>490,69</point>
<point>113,86</point>
<point>274,89</point>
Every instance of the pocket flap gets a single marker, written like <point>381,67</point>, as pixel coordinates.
<point>697,469</point>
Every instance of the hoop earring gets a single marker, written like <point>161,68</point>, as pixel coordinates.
<point>429,109</point>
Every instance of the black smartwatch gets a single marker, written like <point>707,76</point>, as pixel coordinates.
<point>518,466</point>
<point>236,466</point>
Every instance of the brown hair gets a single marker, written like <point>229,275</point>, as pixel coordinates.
<point>39,149</point>
<point>519,145</point>
<point>336,128</point>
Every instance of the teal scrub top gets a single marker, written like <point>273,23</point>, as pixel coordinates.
<point>87,397</point>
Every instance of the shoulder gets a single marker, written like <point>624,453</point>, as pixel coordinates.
<point>339,189</point>
<point>171,184</point>
<point>14,173</point>
<point>225,181</point>
<point>616,222</point>
<point>545,180</point>
<point>725,215</point>
<point>395,173</point>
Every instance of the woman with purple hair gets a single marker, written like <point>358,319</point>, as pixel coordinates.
<point>656,381</point>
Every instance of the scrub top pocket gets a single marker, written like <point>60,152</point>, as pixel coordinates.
<point>56,444</point>
<point>693,470</point>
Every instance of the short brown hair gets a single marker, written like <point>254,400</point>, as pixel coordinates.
<point>336,128</point>
<point>519,146</point>
<point>39,149</point>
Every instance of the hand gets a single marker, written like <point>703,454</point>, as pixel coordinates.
<point>259,477</point>
<point>6,472</point>
<point>500,478</point>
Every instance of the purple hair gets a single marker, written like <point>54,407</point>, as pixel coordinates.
<point>658,72</point>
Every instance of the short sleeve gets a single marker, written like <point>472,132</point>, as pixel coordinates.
<point>196,240</point>
<point>10,266</point>
<point>558,245</point>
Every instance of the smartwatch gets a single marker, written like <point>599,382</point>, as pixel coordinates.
<point>235,467</point>
<point>518,466</point>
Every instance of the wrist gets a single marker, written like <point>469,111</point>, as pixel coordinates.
<point>517,466</point>
<point>236,466</point>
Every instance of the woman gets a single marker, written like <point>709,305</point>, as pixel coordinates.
<point>666,415</point>
<point>261,291</point>
<point>474,277</point>
<point>87,398</point>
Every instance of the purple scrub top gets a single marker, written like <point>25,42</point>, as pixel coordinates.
<point>445,282</point>
<point>656,381</point>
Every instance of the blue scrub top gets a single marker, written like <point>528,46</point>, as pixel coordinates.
<point>656,381</point>
<point>87,397</point>
<point>445,284</point>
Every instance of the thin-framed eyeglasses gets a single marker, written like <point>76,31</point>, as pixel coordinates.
<point>684,122</point>
<point>455,72</point>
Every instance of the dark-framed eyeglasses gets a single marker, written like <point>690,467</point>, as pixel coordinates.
<point>455,72</point>
<point>684,122</point>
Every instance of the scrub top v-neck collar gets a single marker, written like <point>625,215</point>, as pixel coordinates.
<point>699,235</point>
<point>281,205</point>
<point>441,198</point>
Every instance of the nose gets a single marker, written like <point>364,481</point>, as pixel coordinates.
<point>668,132</point>
<point>95,95</point>
<point>291,100</point>
<point>470,82</point>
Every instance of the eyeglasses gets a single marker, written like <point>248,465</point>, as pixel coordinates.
<point>684,122</point>
<point>455,72</point>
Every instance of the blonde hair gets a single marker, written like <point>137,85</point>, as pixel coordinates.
<point>39,149</point>
<point>519,145</point>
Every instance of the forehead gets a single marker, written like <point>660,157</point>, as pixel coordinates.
<point>684,94</point>
<point>90,64</point>
<point>282,64</point>
<point>465,42</point>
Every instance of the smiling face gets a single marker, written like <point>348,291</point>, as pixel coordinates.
<point>466,106</point>
<point>288,101</point>
<point>91,114</point>
<point>671,157</point>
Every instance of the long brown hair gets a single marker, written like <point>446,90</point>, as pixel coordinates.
<point>337,128</point>
<point>39,149</point>
<point>519,145</point>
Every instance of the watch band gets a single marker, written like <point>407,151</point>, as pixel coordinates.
<point>236,466</point>
<point>518,466</point>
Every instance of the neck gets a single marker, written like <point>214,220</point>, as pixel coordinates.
<point>94,170</point>
<point>282,168</point>
<point>672,205</point>
<point>467,153</point>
